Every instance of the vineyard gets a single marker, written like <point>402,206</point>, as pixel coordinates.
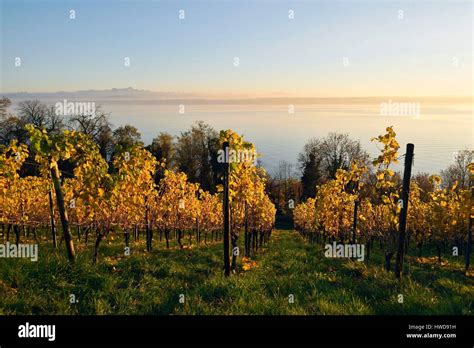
<point>135,244</point>
<point>100,203</point>
<point>357,208</point>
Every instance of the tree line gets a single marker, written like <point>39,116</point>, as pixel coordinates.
<point>195,152</point>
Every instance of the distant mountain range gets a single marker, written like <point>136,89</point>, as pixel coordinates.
<point>106,94</point>
<point>139,96</point>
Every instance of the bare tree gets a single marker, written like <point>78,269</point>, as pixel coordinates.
<point>54,122</point>
<point>321,158</point>
<point>4,105</point>
<point>40,115</point>
<point>284,171</point>
<point>458,170</point>
<point>98,127</point>
<point>339,151</point>
<point>34,112</point>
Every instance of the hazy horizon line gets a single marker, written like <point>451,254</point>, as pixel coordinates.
<point>129,94</point>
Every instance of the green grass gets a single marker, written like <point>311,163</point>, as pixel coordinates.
<point>152,283</point>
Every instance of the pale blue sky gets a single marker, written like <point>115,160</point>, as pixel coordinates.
<point>278,56</point>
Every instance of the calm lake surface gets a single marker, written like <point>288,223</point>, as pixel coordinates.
<point>438,133</point>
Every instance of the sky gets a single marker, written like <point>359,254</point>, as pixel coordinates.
<point>329,48</point>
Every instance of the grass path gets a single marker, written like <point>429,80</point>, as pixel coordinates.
<point>288,268</point>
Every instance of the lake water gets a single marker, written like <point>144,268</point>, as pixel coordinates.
<point>438,133</point>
